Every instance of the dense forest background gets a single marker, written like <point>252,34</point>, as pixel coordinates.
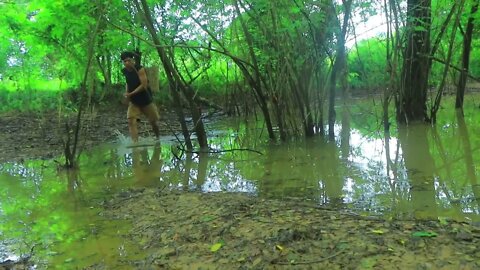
<point>289,61</point>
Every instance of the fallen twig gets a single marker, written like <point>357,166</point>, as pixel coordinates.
<point>308,262</point>
<point>213,151</point>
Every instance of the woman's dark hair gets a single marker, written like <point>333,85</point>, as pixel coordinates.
<point>126,55</point>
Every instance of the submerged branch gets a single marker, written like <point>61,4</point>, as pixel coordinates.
<point>213,151</point>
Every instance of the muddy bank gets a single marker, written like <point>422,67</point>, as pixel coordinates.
<point>237,231</point>
<point>40,136</point>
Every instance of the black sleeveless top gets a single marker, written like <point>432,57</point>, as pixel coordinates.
<point>142,98</point>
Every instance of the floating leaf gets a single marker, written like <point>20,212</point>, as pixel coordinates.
<point>216,247</point>
<point>424,234</point>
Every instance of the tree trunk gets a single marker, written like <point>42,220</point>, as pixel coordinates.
<point>261,98</point>
<point>411,104</point>
<point>393,56</point>
<point>174,78</point>
<point>104,63</point>
<point>338,66</point>
<point>438,98</point>
<point>467,45</point>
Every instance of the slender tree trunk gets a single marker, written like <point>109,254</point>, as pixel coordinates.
<point>71,154</point>
<point>261,98</point>
<point>393,56</point>
<point>107,79</point>
<point>436,105</point>
<point>412,99</point>
<point>108,72</point>
<point>174,78</point>
<point>338,65</point>
<point>300,95</point>
<point>467,45</point>
<point>331,100</point>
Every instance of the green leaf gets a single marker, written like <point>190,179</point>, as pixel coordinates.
<point>424,234</point>
<point>295,10</point>
<point>216,247</point>
<point>208,218</point>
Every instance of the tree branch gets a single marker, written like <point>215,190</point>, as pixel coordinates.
<point>226,53</point>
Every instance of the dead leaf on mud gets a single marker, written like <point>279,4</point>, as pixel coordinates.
<point>272,234</point>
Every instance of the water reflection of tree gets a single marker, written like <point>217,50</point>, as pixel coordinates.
<point>447,164</point>
<point>187,171</point>
<point>74,187</point>
<point>284,172</point>
<point>470,166</point>
<point>202,170</point>
<point>420,168</point>
<point>114,171</point>
<point>310,170</point>
<point>331,174</point>
<point>455,190</point>
<point>345,132</point>
<point>393,173</point>
<point>188,178</point>
<point>447,167</point>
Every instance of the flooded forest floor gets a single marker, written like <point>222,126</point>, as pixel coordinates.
<point>189,230</point>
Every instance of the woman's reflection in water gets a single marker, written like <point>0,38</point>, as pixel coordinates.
<point>147,170</point>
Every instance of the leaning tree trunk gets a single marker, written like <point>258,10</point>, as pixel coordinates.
<point>174,78</point>
<point>467,45</point>
<point>257,82</point>
<point>411,103</point>
<point>393,56</point>
<point>70,149</point>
